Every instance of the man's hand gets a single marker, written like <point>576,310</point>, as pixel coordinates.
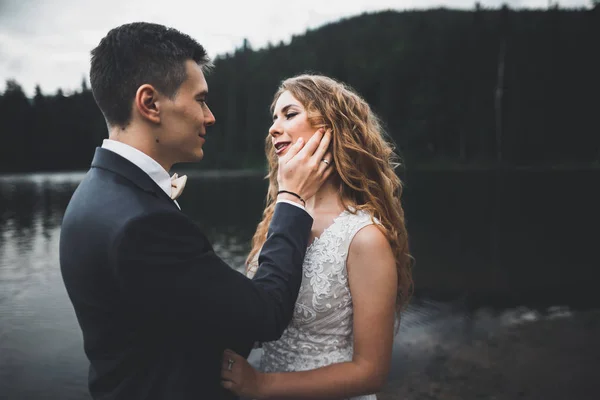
<point>303,170</point>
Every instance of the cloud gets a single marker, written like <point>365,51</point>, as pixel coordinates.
<point>49,41</point>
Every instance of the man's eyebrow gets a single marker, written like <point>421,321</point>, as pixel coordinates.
<point>283,110</point>
<point>202,93</point>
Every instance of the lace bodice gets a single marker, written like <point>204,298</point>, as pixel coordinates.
<point>320,332</point>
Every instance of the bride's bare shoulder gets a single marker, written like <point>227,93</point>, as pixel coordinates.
<point>370,247</point>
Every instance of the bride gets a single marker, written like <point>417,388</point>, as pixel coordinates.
<point>357,269</point>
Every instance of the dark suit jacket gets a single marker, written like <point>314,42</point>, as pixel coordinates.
<point>156,305</point>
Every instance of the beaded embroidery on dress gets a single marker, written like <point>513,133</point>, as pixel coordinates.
<point>320,332</point>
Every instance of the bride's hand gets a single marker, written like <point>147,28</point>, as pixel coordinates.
<point>238,376</point>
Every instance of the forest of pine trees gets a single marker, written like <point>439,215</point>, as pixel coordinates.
<point>473,88</point>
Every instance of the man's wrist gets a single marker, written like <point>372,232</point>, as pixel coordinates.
<point>293,204</point>
<point>291,197</point>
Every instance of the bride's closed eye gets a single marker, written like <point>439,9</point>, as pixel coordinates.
<point>291,115</point>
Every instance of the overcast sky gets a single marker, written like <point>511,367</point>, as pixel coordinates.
<point>48,42</point>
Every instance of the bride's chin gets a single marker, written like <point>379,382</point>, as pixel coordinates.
<point>279,155</point>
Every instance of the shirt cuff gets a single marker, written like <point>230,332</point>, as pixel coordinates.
<point>292,203</point>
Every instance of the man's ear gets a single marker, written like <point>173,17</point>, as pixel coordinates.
<point>147,103</point>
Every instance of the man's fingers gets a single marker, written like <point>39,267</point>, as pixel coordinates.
<point>313,142</point>
<point>325,174</point>
<point>323,146</point>
<point>326,163</point>
<point>292,151</point>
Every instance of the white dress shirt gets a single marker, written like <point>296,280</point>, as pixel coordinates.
<point>154,170</point>
<point>144,162</point>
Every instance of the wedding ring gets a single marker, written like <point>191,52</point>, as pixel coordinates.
<point>230,363</point>
<point>325,161</point>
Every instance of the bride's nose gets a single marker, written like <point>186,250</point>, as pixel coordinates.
<point>275,129</point>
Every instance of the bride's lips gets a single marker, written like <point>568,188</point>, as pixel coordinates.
<point>280,147</point>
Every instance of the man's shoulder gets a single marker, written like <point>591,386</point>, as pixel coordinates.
<point>106,201</point>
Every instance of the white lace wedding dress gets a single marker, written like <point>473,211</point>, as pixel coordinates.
<point>320,332</point>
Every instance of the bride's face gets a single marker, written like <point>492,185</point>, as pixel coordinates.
<point>290,122</point>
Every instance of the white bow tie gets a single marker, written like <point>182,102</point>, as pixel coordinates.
<point>177,185</point>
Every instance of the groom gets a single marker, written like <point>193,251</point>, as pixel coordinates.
<point>156,305</point>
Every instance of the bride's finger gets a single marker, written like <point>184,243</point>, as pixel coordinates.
<point>229,359</point>
<point>227,373</point>
<point>225,362</point>
<point>228,376</point>
<point>227,385</point>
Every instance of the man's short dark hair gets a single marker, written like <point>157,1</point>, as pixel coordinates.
<point>135,54</point>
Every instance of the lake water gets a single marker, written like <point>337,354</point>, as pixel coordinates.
<point>492,248</point>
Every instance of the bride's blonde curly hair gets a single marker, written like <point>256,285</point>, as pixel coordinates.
<point>364,163</point>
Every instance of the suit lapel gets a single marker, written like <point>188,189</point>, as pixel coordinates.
<point>113,162</point>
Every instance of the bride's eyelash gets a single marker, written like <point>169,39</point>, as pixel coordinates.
<point>291,115</point>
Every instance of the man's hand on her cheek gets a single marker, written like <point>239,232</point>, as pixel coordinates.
<point>303,169</point>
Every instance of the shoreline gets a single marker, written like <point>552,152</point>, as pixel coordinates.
<point>554,358</point>
<point>414,167</point>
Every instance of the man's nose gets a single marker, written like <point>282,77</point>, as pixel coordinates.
<point>210,118</point>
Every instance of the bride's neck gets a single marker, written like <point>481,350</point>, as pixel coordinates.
<point>327,199</point>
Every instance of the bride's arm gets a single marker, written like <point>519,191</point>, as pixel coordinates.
<point>373,284</point>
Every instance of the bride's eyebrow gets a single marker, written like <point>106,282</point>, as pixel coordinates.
<point>283,110</point>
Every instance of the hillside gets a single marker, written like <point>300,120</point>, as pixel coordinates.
<point>481,87</point>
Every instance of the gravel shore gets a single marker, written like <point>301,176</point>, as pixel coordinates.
<point>557,358</point>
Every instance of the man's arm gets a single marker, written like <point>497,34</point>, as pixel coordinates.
<point>169,274</point>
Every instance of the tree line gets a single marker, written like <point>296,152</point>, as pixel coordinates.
<point>480,87</point>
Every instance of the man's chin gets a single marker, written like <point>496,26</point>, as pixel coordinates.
<point>195,157</point>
